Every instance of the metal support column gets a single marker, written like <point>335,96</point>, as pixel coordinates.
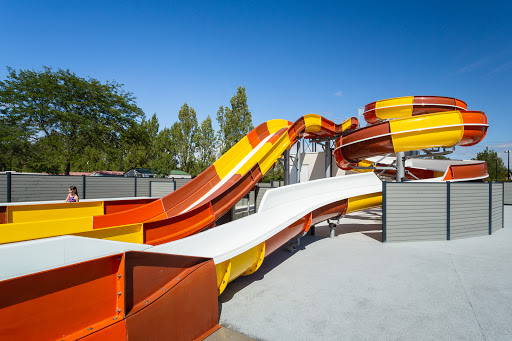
<point>134,186</point>
<point>286,170</point>
<point>332,227</point>
<point>298,161</point>
<point>8,174</point>
<point>400,166</point>
<point>328,159</point>
<point>83,186</point>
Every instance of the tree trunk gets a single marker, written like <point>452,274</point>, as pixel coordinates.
<point>68,168</point>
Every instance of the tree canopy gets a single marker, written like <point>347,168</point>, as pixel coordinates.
<point>493,162</point>
<point>54,121</point>
<point>234,122</point>
<point>61,114</point>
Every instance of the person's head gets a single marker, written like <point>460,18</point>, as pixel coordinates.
<point>72,190</point>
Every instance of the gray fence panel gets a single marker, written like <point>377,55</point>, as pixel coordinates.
<point>27,187</point>
<point>508,193</point>
<point>145,186</point>
<point>181,182</point>
<point>469,215</point>
<point>415,211</point>
<point>109,187</point>
<point>160,188</point>
<point>497,207</point>
<point>3,188</point>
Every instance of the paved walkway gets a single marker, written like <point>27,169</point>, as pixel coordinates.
<point>353,287</point>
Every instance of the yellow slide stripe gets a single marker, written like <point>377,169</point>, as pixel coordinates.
<point>133,233</point>
<point>437,131</point>
<point>363,202</point>
<point>313,123</point>
<point>28,213</point>
<point>394,108</point>
<point>16,232</point>
<point>346,124</point>
<point>276,125</point>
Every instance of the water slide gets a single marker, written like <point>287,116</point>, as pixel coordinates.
<point>192,208</point>
<point>170,290</point>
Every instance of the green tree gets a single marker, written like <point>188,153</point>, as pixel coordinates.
<point>491,157</point>
<point>166,147</point>
<point>183,132</point>
<point>64,114</point>
<point>234,122</point>
<point>206,145</point>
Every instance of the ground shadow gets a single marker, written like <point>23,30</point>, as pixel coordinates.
<point>372,230</point>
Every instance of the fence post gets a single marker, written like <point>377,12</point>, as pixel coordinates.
<point>135,186</point>
<point>8,186</point>
<point>150,188</point>
<point>83,185</point>
<point>448,210</point>
<point>383,211</point>
<point>174,182</point>
<point>490,207</point>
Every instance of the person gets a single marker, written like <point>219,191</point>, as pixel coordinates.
<point>73,194</point>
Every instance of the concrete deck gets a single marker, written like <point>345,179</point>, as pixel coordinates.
<point>353,287</point>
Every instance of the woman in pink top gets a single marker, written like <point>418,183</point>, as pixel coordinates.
<point>73,194</point>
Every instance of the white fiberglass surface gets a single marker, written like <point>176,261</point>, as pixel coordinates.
<point>23,258</point>
<point>230,174</point>
<point>290,203</point>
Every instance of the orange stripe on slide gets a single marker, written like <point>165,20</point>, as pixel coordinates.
<point>137,215</point>
<point>253,138</point>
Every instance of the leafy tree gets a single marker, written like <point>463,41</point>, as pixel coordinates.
<point>63,114</point>
<point>166,147</point>
<point>491,157</point>
<point>206,144</point>
<point>234,122</point>
<point>183,132</point>
<point>274,173</point>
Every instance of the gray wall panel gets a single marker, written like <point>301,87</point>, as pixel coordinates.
<point>415,211</point>
<point>109,187</point>
<point>497,208</point>
<point>26,187</point>
<point>469,204</point>
<point>3,188</point>
<point>508,193</point>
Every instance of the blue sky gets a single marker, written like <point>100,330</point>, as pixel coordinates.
<point>293,57</point>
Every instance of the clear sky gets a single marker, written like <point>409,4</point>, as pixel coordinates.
<point>293,57</point>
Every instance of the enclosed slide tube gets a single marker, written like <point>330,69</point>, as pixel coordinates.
<point>197,205</point>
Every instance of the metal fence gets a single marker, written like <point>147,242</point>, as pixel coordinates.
<point>441,211</point>
<point>35,187</point>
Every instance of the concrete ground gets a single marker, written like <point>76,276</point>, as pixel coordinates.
<point>352,287</point>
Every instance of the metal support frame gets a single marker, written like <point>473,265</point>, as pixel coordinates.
<point>297,159</point>
<point>135,186</point>
<point>286,167</point>
<point>328,158</point>
<point>448,210</point>
<point>490,207</point>
<point>83,186</point>
<point>384,211</point>
<point>9,179</point>
<point>431,152</point>
<point>292,246</point>
<point>400,167</point>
